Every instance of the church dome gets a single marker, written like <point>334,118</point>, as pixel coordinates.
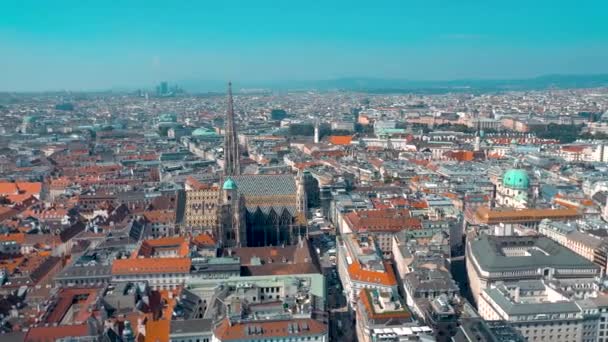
<point>29,119</point>
<point>201,132</point>
<point>229,184</point>
<point>516,179</point>
<point>167,117</point>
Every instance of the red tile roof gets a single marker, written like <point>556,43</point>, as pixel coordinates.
<point>31,188</point>
<point>204,240</point>
<point>151,266</point>
<point>17,237</point>
<point>381,220</point>
<point>386,278</point>
<point>148,247</point>
<point>53,333</point>
<point>82,297</point>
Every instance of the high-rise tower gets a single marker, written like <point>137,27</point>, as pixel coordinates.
<point>232,165</point>
<point>477,144</point>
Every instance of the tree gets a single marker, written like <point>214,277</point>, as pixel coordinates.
<point>340,132</point>
<point>456,128</point>
<point>301,129</point>
<point>564,133</point>
<point>64,106</point>
<point>278,114</point>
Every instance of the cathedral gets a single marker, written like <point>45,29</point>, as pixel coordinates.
<point>257,210</point>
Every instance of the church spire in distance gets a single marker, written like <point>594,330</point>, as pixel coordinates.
<point>231,146</point>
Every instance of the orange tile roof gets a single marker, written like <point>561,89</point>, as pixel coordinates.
<point>381,220</point>
<point>386,278</point>
<point>8,188</point>
<point>460,155</point>
<point>340,139</point>
<point>151,266</point>
<point>180,244</point>
<point>157,331</point>
<point>419,205</point>
<point>204,240</point>
<point>60,183</point>
<point>52,333</point>
<point>166,241</point>
<point>11,264</point>
<point>30,187</point>
<point>17,237</point>
<point>20,198</point>
<point>487,215</point>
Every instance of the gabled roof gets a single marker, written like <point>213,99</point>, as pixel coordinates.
<point>151,266</point>
<point>385,278</point>
<point>52,333</point>
<point>381,220</point>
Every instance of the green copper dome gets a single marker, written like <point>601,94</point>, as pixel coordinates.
<point>167,117</point>
<point>30,119</point>
<point>229,184</point>
<point>516,179</point>
<point>201,132</point>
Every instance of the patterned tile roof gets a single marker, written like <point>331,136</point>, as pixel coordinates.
<point>268,192</point>
<point>265,185</point>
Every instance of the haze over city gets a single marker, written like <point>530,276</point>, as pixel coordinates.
<point>290,171</point>
<point>78,45</point>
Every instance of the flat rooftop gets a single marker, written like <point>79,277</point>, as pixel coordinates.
<point>517,253</point>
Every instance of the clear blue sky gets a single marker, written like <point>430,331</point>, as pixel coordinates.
<point>100,44</point>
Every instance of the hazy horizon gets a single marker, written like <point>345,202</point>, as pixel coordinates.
<point>75,46</point>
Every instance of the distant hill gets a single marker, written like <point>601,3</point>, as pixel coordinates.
<point>382,85</point>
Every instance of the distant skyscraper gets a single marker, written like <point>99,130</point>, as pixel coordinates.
<point>164,88</point>
<point>232,165</point>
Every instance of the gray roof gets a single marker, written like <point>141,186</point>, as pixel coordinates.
<point>487,251</point>
<point>477,329</point>
<point>514,308</point>
<point>191,326</point>
<point>89,271</point>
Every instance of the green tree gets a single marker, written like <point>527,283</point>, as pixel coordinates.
<point>278,114</point>
<point>301,129</point>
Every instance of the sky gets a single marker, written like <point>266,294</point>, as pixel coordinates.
<point>96,45</point>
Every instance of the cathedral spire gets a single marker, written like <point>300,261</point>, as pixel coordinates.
<point>231,145</point>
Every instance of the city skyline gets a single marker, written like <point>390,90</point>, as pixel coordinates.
<point>82,47</point>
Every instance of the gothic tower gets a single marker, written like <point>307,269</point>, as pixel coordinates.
<point>232,165</point>
<point>231,230</point>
